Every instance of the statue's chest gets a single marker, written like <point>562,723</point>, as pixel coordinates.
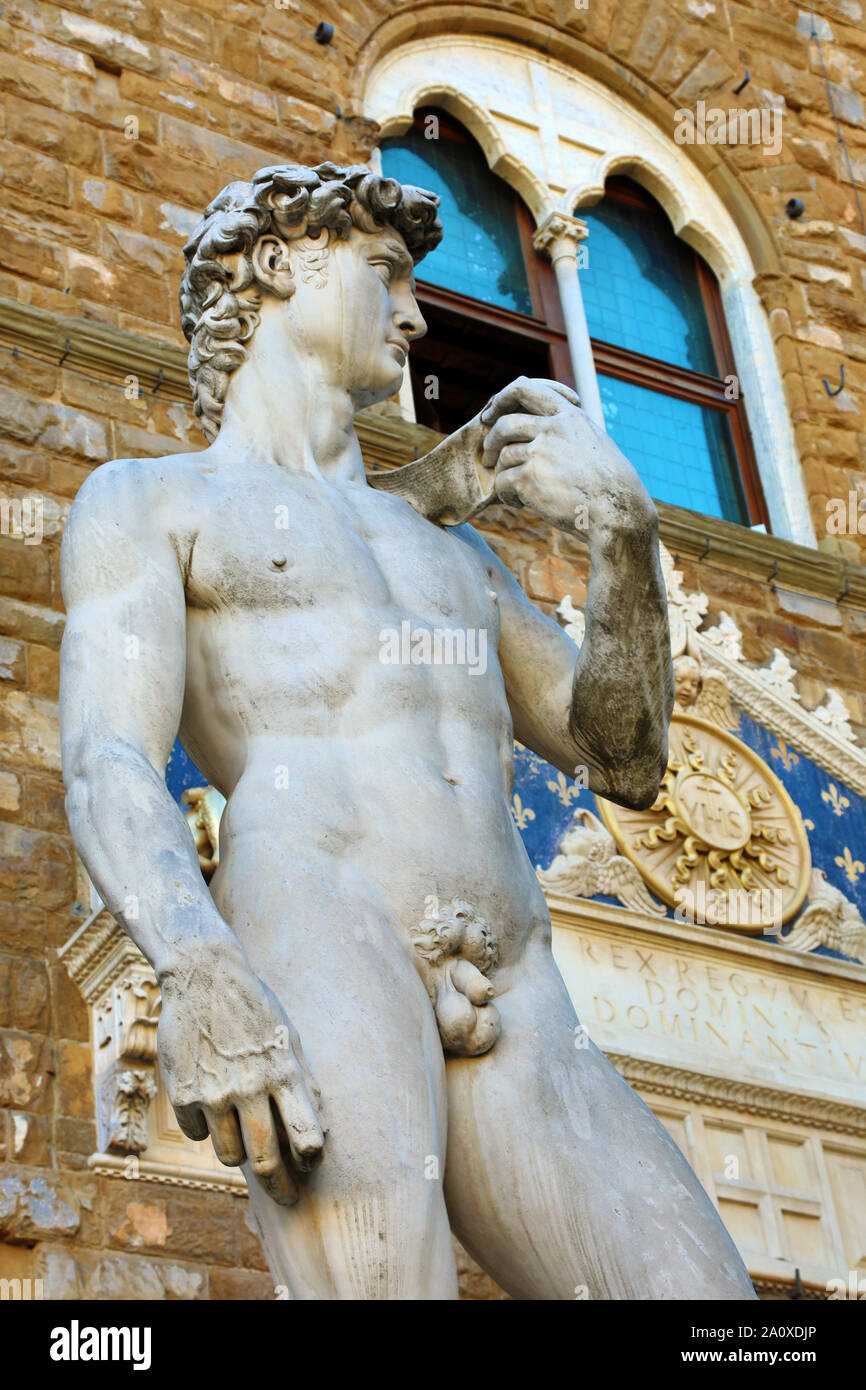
<point>308,545</point>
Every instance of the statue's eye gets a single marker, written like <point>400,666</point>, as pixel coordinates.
<point>385,269</point>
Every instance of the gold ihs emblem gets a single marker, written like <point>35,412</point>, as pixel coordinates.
<point>723,840</point>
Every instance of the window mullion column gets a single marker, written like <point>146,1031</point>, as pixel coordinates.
<point>559,236</point>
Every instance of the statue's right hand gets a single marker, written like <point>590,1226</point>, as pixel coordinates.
<point>234,1069</point>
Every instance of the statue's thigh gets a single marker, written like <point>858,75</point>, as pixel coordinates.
<point>371,1220</point>
<point>559,1179</point>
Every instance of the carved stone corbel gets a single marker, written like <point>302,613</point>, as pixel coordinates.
<point>133,1090</point>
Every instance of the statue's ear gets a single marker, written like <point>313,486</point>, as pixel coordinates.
<point>273,266</point>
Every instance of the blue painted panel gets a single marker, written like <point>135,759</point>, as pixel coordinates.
<point>835,815</point>
<point>182,772</point>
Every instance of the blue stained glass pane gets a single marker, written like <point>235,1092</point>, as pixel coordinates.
<point>640,287</point>
<point>480,253</point>
<point>682,451</point>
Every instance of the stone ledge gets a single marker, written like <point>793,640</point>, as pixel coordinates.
<point>575,913</point>
<point>109,1165</point>
<point>114,354</point>
<point>679,1083</point>
<point>794,567</point>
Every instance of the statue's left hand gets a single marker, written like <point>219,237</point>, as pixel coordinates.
<point>548,455</point>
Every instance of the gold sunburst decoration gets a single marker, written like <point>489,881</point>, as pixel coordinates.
<point>723,831</point>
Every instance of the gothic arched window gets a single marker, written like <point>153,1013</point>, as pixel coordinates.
<point>665,367</point>
<point>490,301</point>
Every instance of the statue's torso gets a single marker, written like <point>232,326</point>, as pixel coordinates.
<point>329,750</point>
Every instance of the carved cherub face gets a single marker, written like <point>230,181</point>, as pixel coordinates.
<point>352,307</point>
<point>687,676</point>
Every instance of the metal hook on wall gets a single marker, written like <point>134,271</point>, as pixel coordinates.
<point>840,387</point>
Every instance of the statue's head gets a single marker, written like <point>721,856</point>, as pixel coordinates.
<point>337,246</point>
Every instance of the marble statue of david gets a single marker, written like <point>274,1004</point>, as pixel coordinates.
<point>363,1010</point>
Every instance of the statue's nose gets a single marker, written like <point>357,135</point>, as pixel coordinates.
<point>411,322</point>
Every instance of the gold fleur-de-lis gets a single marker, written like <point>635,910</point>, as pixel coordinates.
<point>786,755</point>
<point>521,813</point>
<point>853,867</point>
<point>835,799</point>
<point>566,793</point>
<point>808,824</point>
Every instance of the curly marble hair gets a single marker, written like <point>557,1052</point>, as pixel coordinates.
<point>219,296</point>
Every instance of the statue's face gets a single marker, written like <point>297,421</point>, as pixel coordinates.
<point>354,308</point>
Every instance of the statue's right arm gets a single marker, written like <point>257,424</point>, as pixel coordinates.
<point>123,665</point>
<point>227,1049</point>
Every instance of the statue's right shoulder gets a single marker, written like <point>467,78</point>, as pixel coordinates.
<point>127,483</point>
<point>138,493</point>
<point>133,508</point>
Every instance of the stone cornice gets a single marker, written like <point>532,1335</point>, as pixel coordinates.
<point>89,346</point>
<point>114,353</point>
<point>767,693</point>
<point>391,440</point>
<point>771,558</point>
<point>811,1290</point>
<point>109,1165</point>
<point>743,1096</point>
<point>574,914</point>
<point>797,726</point>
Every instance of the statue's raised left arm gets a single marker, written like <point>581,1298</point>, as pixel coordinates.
<point>605,707</point>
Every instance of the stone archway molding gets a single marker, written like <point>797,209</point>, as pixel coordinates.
<point>428,20</point>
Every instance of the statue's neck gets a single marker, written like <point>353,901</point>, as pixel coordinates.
<point>283,409</point>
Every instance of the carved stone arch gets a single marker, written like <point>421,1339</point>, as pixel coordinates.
<point>662,188</point>
<point>482,128</point>
<point>422,20</point>
<point>667,193</point>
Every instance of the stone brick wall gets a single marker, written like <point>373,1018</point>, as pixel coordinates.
<point>92,219</point>
<point>119,120</point>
